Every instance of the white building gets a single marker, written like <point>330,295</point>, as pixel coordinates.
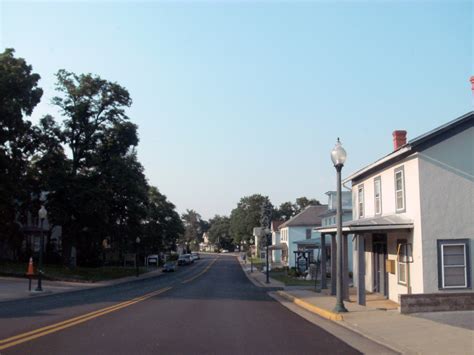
<point>205,245</point>
<point>413,213</point>
<point>299,227</point>
<point>329,218</point>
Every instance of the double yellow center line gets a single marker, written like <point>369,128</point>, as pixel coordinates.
<point>202,272</point>
<point>24,337</point>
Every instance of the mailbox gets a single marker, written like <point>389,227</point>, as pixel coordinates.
<point>390,266</point>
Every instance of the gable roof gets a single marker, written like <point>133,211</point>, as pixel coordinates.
<point>275,225</point>
<point>417,144</point>
<point>310,216</point>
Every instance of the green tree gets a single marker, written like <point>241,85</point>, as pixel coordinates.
<point>285,211</point>
<point>193,229</point>
<point>246,216</point>
<point>104,191</point>
<point>219,232</point>
<point>163,226</point>
<point>91,105</point>
<point>19,94</point>
<point>303,202</point>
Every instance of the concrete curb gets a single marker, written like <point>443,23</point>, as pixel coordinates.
<point>332,316</point>
<point>310,307</point>
<point>339,319</point>
<point>81,286</point>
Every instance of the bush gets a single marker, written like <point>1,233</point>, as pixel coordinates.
<point>293,272</point>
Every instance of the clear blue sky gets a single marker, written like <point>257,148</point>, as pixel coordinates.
<point>241,97</point>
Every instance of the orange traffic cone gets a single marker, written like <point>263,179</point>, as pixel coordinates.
<point>30,271</point>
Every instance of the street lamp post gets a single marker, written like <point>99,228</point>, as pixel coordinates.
<point>267,236</point>
<point>251,259</point>
<point>136,257</point>
<point>338,157</point>
<point>42,214</point>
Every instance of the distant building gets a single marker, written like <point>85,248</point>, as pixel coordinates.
<point>205,245</point>
<point>299,228</point>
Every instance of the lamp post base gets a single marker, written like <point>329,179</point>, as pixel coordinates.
<point>39,286</point>
<point>340,308</point>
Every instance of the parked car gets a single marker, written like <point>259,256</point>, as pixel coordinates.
<point>184,259</point>
<point>191,259</point>
<point>196,256</point>
<point>169,266</point>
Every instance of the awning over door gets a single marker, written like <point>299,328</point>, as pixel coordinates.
<point>382,223</point>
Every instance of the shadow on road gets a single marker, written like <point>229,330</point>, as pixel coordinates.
<point>224,280</point>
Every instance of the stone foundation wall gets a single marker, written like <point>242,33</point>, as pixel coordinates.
<point>436,302</point>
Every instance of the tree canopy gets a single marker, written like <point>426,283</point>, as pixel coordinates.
<point>219,232</point>
<point>246,216</point>
<point>83,166</point>
<point>19,95</point>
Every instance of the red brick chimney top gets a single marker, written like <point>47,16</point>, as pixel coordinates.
<point>399,139</point>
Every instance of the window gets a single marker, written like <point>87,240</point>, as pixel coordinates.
<point>360,200</point>
<point>453,263</point>
<point>378,195</point>
<point>400,190</point>
<point>308,233</point>
<point>404,256</point>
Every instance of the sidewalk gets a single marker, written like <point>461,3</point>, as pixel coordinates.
<point>12,288</point>
<point>258,278</point>
<point>381,322</point>
<point>403,333</point>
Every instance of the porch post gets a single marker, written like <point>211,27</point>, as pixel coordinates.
<point>360,270</point>
<point>323,261</point>
<point>345,268</point>
<point>333,264</point>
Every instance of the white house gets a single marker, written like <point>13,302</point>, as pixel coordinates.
<point>299,227</point>
<point>329,216</point>
<point>205,245</point>
<point>413,213</point>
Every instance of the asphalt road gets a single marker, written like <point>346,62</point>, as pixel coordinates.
<point>206,308</point>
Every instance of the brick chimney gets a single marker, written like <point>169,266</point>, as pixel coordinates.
<point>472,84</point>
<point>399,139</point>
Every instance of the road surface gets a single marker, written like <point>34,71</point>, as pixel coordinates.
<point>209,307</point>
